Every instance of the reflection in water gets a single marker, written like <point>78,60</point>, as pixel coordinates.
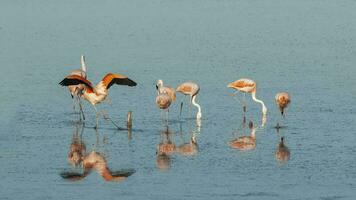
<point>245,143</point>
<point>91,161</point>
<point>164,149</point>
<point>198,124</point>
<point>282,153</point>
<point>95,160</point>
<point>188,149</point>
<point>77,147</point>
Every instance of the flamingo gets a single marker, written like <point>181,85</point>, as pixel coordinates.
<point>97,94</point>
<point>282,100</point>
<point>76,90</point>
<point>248,86</point>
<point>191,89</point>
<point>165,97</point>
<point>282,154</point>
<point>245,143</point>
<point>165,89</point>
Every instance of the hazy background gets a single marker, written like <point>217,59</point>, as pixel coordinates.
<point>306,47</point>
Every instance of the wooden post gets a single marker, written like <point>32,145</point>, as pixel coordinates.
<point>129,120</point>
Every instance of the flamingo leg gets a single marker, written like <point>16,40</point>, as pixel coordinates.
<point>167,115</point>
<point>106,116</point>
<point>244,103</point>
<point>81,108</point>
<point>74,102</point>
<point>237,98</point>
<point>181,106</point>
<point>97,117</point>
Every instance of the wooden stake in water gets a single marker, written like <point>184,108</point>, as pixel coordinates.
<point>129,120</point>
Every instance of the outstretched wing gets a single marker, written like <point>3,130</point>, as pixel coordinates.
<point>119,79</point>
<point>75,80</point>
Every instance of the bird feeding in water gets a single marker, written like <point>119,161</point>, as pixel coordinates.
<point>165,97</point>
<point>97,94</point>
<point>191,89</point>
<point>248,86</point>
<point>76,90</point>
<point>282,100</point>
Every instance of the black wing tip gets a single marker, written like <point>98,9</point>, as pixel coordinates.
<point>62,83</point>
<point>132,83</point>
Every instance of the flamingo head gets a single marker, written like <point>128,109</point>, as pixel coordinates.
<point>159,84</point>
<point>194,140</point>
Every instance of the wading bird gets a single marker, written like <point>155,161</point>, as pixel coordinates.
<point>282,100</point>
<point>165,97</point>
<point>76,90</point>
<point>97,94</point>
<point>165,89</point>
<point>191,89</point>
<point>248,86</point>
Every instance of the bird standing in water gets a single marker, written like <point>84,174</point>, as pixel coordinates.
<point>97,94</point>
<point>191,89</point>
<point>165,89</point>
<point>165,97</point>
<point>282,100</point>
<point>248,86</point>
<point>76,90</point>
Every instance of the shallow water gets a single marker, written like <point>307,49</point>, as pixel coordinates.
<point>304,47</point>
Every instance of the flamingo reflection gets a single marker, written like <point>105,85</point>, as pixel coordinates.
<point>282,153</point>
<point>245,143</point>
<point>77,147</point>
<point>189,148</point>
<point>164,150</point>
<point>93,161</point>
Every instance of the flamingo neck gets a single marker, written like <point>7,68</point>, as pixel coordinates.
<point>264,109</point>
<point>253,132</point>
<point>82,63</point>
<point>198,106</point>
